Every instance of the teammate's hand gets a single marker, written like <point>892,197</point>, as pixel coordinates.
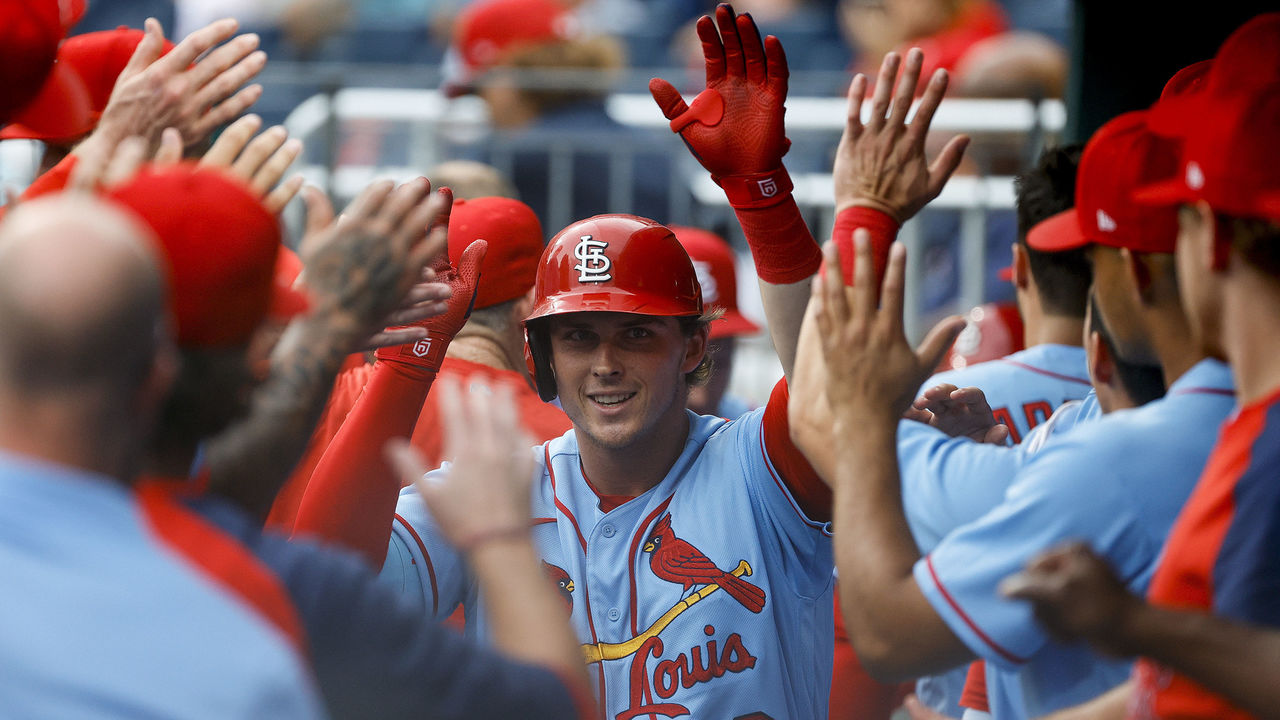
<point>485,495</point>
<point>882,164</point>
<point>734,127</point>
<point>872,370</point>
<point>1075,593</point>
<point>194,88</point>
<point>259,162</point>
<point>360,268</point>
<point>917,710</point>
<point>958,412</point>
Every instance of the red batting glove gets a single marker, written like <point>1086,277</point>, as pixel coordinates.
<point>734,127</point>
<point>429,352</point>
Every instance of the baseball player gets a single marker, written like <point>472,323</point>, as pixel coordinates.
<point>909,614</point>
<point>695,548</point>
<point>1219,556</point>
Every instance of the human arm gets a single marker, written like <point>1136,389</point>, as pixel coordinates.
<point>482,507</point>
<point>1077,596</point>
<point>871,375</point>
<point>359,274</point>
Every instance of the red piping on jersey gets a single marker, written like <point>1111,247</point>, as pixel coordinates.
<point>546,452</point>
<point>787,493</point>
<point>967,621</point>
<point>1042,371</point>
<point>541,521</point>
<point>631,556</point>
<point>431,570</point>
<point>586,587</point>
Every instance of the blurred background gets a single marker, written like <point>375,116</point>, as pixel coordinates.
<point>547,100</point>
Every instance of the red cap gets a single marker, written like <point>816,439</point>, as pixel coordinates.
<point>990,332</point>
<point>30,31</point>
<point>1121,156</point>
<point>1248,59</point>
<point>97,59</point>
<point>713,262</point>
<point>220,244</point>
<point>515,245</point>
<point>1229,159</point>
<point>285,300</point>
<point>487,30</point>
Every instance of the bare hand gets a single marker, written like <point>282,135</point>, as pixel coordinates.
<point>872,371</point>
<point>958,412</point>
<point>882,164</point>
<point>486,492</point>
<point>1075,593</point>
<point>259,162</point>
<point>155,92</point>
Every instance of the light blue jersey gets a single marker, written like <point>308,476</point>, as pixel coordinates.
<point>100,619</point>
<point>1023,389</point>
<point>1116,483</point>
<point>708,596</point>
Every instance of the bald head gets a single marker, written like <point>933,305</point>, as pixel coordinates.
<point>81,299</point>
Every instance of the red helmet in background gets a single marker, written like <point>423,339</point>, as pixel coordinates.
<point>990,332</point>
<point>608,263</point>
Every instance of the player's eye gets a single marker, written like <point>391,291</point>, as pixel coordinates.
<point>638,333</point>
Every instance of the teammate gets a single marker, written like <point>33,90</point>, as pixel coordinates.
<point>1219,556</point>
<point>909,614</point>
<point>123,615</point>
<point>696,547</point>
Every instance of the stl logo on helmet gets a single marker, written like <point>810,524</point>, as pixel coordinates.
<point>593,265</point>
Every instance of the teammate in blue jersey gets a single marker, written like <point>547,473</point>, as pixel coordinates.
<point>1118,481</point>
<point>108,609</point>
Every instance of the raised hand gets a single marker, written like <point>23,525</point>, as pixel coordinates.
<point>735,127</point>
<point>872,370</point>
<point>882,164</point>
<point>1075,593</point>
<point>258,161</point>
<point>959,412</point>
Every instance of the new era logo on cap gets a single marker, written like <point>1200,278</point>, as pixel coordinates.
<point>1105,222</point>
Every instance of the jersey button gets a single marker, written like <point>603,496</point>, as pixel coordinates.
<point>607,530</point>
<point>614,614</point>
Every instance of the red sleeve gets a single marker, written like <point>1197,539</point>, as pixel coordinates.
<point>883,229</point>
<point>351,498</point>
<point>346,390</point>
<point>806,487</point>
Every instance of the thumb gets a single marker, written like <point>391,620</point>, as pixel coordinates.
<point>668,98</point>
<point>469,271</point>
<point>442,219</point>
<point>319,209</point>
<point>935,344</point>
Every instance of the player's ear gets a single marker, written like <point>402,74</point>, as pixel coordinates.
<point>1102,367</point>
<point>1021,267</point>
<point>695,347</point>
<point>1136,265</point>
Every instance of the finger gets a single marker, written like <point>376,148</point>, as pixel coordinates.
<point>232,142</point>
<point>481,430</point>
<point>884,90</point>
<point>997,435</point>
<point>147,51</point>
<point>893,287</point>
<point>418,312</point>
<point>224,84</point>
<point>442,219</point>
<point>753,54</point>
<point>918,414</point>
<point>368,202</point>
<point>277,199</point>
<point>946,163</point>
<point>776,63</point>
<point>733,60</point>
<point>853,110</point>
<point>939,339</point>
<point>125,162</point>
<point>834,299</point>
<point>422,216</point>
<point>668,98</point>
<point>196,44</point>
<point>223,113</point>
<point>319,209</point>
<point>1026,585</point>
<point>506,423</point>
<point>406,460</point>
<point>271,171</point>
<point>221,59</point>
<point>421,255</point>
<point>255,155</point>
<point>170,150</point>
<point>864,280</point>
<point>712,49</point>
<point>427,292</point>
<point>906,91</point>
<point>929,102</point>
<point>394,337</point>
<point>818,306</point>
<point>403,200</point>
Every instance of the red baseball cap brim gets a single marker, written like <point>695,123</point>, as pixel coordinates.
<point>1164,193</point>
<point>1058,233</point>
<point>733,324</point>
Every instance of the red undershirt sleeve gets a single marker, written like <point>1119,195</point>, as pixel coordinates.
<point>883,230</point>
<point>351,498</point>
<point>812,494</point>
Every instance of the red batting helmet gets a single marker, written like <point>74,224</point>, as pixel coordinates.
<point>608,263</point>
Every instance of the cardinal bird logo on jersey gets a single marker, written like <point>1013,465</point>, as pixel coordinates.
<point>563,582</point>
<point>675,560</point>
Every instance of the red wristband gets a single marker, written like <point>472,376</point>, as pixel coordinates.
<point>758,190</point>
<point>782,247</point>
<point>428,352</point>
<point>883,230</point>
